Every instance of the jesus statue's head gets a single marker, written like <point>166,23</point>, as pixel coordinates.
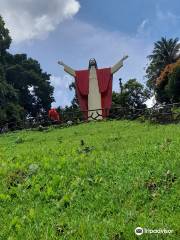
<point>92,62</point>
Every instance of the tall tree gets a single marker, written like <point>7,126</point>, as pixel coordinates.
<point>168,84</point>
<point>10,110</point>
<point>166,51</point>
<point>32,84</point>
<point>174,83</point>
<point>5,39</point>
<point>24,88</point>
<point>74,102</point>
<point>132,96</point>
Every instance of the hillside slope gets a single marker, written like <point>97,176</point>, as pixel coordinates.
<point>92,181</point>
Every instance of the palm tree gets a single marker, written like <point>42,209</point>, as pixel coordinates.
<point>166,51</point>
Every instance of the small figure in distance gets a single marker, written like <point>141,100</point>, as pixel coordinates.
<point>54,115</point>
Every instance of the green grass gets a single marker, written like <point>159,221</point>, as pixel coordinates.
<point>92,181</point>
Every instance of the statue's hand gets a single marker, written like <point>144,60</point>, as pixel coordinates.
<point>61,63</point>
<point>125,57</point>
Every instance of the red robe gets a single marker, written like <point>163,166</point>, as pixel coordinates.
<point>104,78</point>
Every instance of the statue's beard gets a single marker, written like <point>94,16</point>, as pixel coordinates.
<point>92,65</point>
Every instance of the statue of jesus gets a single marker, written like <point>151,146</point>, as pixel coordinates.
<point>94,88</point>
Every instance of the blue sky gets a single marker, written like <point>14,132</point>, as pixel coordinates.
<point>126,15</point>
<point>75,31</point>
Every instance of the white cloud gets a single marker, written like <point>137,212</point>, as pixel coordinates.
<point>143,27</point>
<point>167,16</point>
<point>34,19</point>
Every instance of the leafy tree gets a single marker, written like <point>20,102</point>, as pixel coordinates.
<point>174,84</point>
<point>73,111</point>
<point>24,88</point>
<point>31,83</point>
<point>166,51</point>
<point>9,108</point>
<point>74,102</point>
<point>132,96</point>
<point>167,84</point>
<point>5,39</point>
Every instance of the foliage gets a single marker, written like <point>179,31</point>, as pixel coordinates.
<point>5,39</point>
<point>72,111</point>
<point>162,80</point>
<point>74,102</point>
<point>92,181</point>
<point>9,108</point>
<point>174,84</point>
<point>168,88</point>
<point>24,88</point>
<point>166,51</point>
<point>132,96</point>
<point>32,84</point>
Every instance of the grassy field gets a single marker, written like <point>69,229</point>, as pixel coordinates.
<point>92,181</point>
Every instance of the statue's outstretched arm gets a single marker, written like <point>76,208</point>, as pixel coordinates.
<point>67,69</point>
<point>118,65</point>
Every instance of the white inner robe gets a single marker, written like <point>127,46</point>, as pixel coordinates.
<point>94,97</point>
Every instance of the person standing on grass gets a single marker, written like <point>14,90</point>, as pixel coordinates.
<point>53,115</point>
